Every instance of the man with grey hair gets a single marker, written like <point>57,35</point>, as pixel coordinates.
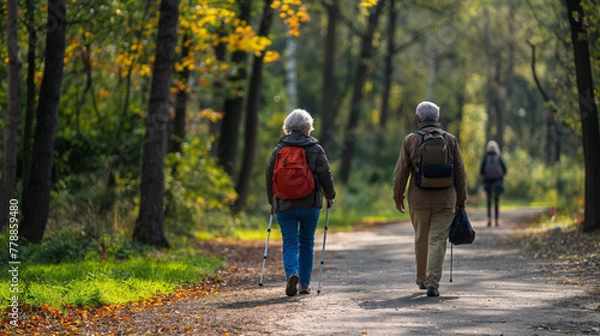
<point>298,200</point>
<point>438,186</point>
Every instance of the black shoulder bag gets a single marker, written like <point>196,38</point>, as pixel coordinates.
<point>461,231</point>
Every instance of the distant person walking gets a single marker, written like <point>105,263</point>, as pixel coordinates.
<point>297,178</point>
<point>492,171</point>
<point>437,187</point>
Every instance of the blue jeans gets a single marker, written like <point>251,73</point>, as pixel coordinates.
<point>298,241</point>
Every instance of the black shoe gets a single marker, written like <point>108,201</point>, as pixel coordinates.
<point>291,287</point>
<point>421,285</point>
<point>489,224</point>
<point>431,291</point>
<point>304,289</point>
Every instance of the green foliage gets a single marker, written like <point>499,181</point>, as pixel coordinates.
<point>198,191</point>
<point>472,141</point>
<point>531,179</point>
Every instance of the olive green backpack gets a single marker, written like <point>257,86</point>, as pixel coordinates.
<point>435,169</point>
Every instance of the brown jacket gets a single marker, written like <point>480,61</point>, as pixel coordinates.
<point>419,198</point>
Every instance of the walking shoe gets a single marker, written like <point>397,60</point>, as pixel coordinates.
<point>304,289</point>
<point>431,291</point>
<point>291,287</point>
<point>421,285</point>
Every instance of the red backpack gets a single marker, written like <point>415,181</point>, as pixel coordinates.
<point>292,176</point>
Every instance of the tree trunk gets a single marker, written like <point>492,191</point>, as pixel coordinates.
<point>389,70</point>
<point>553,136</point>
<point>149,224</point>
<point>328,111</point>
<point>589,115</point>
<point>504,91</point>
<point>366,53</point>
<point>499,104</point>
<point>233,107</point>
<point>217,98</point>
<point>291,72</point>
<point>489,85</point>
<point>30,109</point>
<point>36,197</point>
<point>431,56</point>
<point>251,133</point>
<point>177,135</point>
<point>9,170</point>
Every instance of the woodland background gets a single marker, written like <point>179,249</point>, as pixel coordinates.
<point>118,124</point>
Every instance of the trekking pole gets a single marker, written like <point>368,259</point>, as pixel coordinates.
<point>262,273</point>
<point>451,255</point>
<point>323,252</point>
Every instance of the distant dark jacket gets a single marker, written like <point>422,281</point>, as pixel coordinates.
<point>319,164</point>
<point>482,169</point>
<point>496,184</point>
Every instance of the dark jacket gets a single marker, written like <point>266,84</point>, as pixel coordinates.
<point>319,164</point>
<point>482,169</point>
<point>420,198</point>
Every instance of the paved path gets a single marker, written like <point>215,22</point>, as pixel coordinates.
<point>368,289</point>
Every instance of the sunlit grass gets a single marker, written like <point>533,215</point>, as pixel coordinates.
<point>547,222</point>
<point>258,234</point>
<point>97,282</point>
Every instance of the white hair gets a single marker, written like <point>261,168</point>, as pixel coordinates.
<point>492,146</point>
<point>299,121</point>
<point>428,111</point>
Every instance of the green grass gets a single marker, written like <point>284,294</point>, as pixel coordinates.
<point>258,234</point>
<point>97,282</point>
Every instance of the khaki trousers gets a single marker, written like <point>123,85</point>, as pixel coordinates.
<point>431,233</point>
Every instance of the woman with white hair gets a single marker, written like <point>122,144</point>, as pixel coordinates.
<point>493,170</point>
<point>297,178</point>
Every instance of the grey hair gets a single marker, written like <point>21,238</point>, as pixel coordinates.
<point>428,111</point>
<point>298,120</point>
<point>492,146</point>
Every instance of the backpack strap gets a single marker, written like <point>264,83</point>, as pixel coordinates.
<point>423,132</point>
